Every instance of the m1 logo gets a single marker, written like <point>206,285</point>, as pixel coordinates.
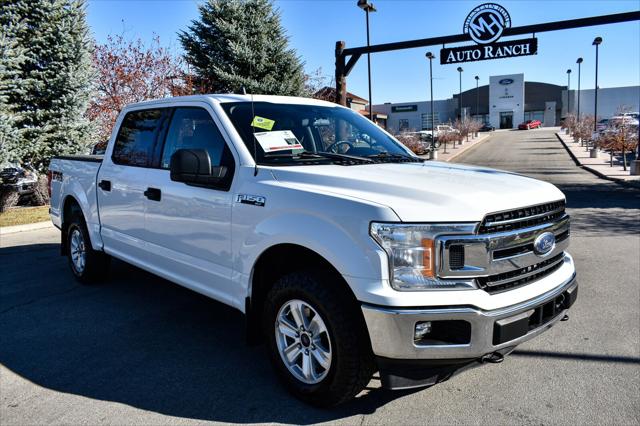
<point>486,23</point>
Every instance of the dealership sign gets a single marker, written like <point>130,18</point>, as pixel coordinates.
<point>503,49</point>
<point>485,25</point>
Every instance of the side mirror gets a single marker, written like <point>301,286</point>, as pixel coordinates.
<point>193,166</point>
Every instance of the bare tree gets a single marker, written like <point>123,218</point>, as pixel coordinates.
<point>128,71</point>
<point>412,141</point>
<point>620,136</point>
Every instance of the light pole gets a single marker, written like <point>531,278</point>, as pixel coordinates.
<point>579,62</point>
<point>460,93</point>
<point>568,91</point>
<point>596,43</point>
<point>430,56</point>
<point>367,6</point>
<point>477,97</point>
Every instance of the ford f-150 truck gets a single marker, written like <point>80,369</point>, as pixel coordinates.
<point>346,253</point>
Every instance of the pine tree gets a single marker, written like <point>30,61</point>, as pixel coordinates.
<point>238,44</point>
<point>11,57</point>
<point>50,88</point>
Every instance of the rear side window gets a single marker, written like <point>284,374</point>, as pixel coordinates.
<point>136,138</point>
<point>193,128</point>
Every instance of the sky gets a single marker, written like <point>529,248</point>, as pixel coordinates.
<point>314,26</point>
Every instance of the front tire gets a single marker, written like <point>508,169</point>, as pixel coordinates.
<point>87,265</point>
<point>317,339</point>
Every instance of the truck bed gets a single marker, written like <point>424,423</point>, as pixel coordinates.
<point>75,175</point>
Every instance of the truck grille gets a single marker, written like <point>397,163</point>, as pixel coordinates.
<point>519,277</point>
<point>522,218</point>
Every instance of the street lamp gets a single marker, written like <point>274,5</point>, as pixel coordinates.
<point>579,62</point>
<point>596,42</point>
<point>430,57</point>
<point>568,91</point>
<point>367,6</point>
<point>477,96</point>
<point>460,93</point>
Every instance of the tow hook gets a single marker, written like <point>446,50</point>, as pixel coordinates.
<point>492,358</point>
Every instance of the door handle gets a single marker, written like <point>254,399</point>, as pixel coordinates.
<point>154,194</point>
<point>105,185</point>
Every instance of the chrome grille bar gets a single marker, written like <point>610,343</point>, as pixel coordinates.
<point>535,269</point>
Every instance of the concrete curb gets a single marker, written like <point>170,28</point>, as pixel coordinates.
<point>24,228</point>
<point>461,151</point>
<point>594,171</point>
<point>469,148</point>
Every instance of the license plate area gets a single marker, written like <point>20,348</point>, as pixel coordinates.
<point>514,327</point>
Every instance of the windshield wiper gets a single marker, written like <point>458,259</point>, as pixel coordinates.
<point>329,155</point>
<point>386,156</point>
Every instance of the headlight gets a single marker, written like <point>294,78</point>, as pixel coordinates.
<point>412,255</point>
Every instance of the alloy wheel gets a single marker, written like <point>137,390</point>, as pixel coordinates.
<point>303,341</point>
<point>78,251</point>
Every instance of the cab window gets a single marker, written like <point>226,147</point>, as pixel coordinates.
<point>193,128</point>
<point>136,140</point>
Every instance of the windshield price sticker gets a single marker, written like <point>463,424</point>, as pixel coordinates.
<point>279,140</point>
<point>262,123</point>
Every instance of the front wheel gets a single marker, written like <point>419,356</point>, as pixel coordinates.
<point>317,339</point>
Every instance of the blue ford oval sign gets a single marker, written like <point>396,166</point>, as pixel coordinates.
<point>544,243</point>
<point>506,81</point>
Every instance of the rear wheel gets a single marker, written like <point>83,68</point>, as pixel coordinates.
<point>88,265</point>
<point>316,338</point>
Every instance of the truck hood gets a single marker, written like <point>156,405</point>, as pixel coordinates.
<point>425,192</point>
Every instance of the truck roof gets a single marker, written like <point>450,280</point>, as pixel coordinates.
<point>225,98</point>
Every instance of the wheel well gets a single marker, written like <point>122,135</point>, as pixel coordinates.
<point>274,263</point>
<point>70,209</point>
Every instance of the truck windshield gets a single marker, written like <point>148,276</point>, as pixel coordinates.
<point>290,133</point>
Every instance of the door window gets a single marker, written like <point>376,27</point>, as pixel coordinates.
<point>136,138</point>
<point>193,128</point>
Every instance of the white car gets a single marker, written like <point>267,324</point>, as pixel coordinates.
<point>346,253</point>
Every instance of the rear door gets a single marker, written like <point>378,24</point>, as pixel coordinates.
<point>189,227</point>
<point>121,183</point>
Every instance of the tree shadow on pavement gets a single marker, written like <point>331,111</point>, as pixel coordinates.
<point>139,340</point>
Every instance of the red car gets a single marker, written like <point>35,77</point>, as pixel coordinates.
<point>530,124</point>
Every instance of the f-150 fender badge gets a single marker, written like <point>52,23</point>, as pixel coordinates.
<point>254,200</point>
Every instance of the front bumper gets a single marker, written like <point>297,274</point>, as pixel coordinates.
<point>491,331</point>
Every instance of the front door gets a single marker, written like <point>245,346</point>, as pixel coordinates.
<point>189,227</point>
<point>506,120</point>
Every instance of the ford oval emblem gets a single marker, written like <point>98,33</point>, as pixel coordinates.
<point>506,81</point>
<point>544,243</point>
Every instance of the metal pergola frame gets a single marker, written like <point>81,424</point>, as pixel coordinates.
<point>347,58</point>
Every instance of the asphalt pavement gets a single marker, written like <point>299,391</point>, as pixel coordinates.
<point>140,350</point>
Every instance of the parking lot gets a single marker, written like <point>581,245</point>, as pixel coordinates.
<point>140,350</point>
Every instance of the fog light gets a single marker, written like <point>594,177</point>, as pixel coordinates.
<point>422,329</point>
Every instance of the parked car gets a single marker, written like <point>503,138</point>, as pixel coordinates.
<point>486,127</point>
<point>602,125</point>
<point>626,119</point>
<point>426,141</point>
<point>17,183</point>
<point>346,252</point>
<point>444,128</point>
<point>530,124</point>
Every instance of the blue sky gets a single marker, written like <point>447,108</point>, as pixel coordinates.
<point>315,25</point>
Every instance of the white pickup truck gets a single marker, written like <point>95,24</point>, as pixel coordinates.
<point>346,253</point>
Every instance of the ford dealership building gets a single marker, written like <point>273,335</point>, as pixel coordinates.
<point>507,101</point>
